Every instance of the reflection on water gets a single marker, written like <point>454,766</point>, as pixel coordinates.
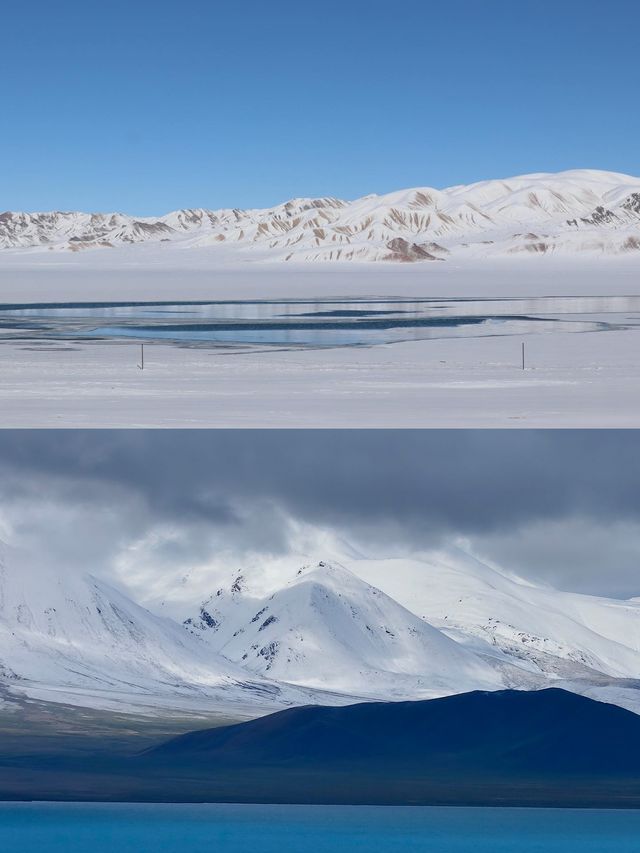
<point>299,323</point>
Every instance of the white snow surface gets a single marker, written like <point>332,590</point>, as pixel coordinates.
<point>571,380</point>
<point>577,211</point>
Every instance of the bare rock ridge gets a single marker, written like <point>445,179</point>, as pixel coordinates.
<point>569,212</point>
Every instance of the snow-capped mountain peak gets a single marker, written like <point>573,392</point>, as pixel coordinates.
<point>326,628</point>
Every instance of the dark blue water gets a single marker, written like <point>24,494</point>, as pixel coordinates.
<point>84,828</point>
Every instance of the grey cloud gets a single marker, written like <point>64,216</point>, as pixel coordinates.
<point>573,554</point>
<point>475,479</point>
<point>402,489</point>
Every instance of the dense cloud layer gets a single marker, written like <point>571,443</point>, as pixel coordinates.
<point>558,505</point>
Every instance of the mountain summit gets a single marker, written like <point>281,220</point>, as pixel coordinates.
<point>326,628</point>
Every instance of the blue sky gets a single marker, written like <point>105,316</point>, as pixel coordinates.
<point>149,106</point>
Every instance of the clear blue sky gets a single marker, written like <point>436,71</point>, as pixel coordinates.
<point>146,106</point>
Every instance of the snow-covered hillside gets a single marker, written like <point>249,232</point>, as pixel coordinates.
<point>328,626</point>
<point>485,608</point>
<point>76,639</point>
<point>574,211</point>
<point>329,632</point>
<point>590,644</point>
<point>328,629</point>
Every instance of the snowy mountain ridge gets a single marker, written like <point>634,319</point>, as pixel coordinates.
<point>574,211</point>
<point>313,629</point>
<point>327,633</point>
<point>471,600</point>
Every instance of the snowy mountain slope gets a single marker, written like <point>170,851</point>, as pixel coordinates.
<point>574,211</point>
<point>325,628</point>
<point>328,633</point>
<point>80,639</point>
<point>529,636</point>
<point>559,633</point>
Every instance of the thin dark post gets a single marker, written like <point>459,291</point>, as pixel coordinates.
<point>141,365</point>
<point>523,355</point>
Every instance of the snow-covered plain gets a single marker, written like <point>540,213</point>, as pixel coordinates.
<point>571,380</point>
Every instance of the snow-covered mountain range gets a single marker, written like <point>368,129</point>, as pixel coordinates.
<point>575,211</point>
<point>323,633</point>
<point>384,628</point>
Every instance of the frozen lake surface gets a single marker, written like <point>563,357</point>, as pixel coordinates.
<point>274,345</point>
<point>316,323</point>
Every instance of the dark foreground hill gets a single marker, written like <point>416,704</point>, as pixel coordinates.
<point>547,731</point>
<point>543,748</point>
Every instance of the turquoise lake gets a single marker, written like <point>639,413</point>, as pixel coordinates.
<point>125,828</point>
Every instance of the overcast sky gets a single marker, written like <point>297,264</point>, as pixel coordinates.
<point>146,507</point>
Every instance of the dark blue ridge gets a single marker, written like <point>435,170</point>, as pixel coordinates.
<point>546,732</point>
